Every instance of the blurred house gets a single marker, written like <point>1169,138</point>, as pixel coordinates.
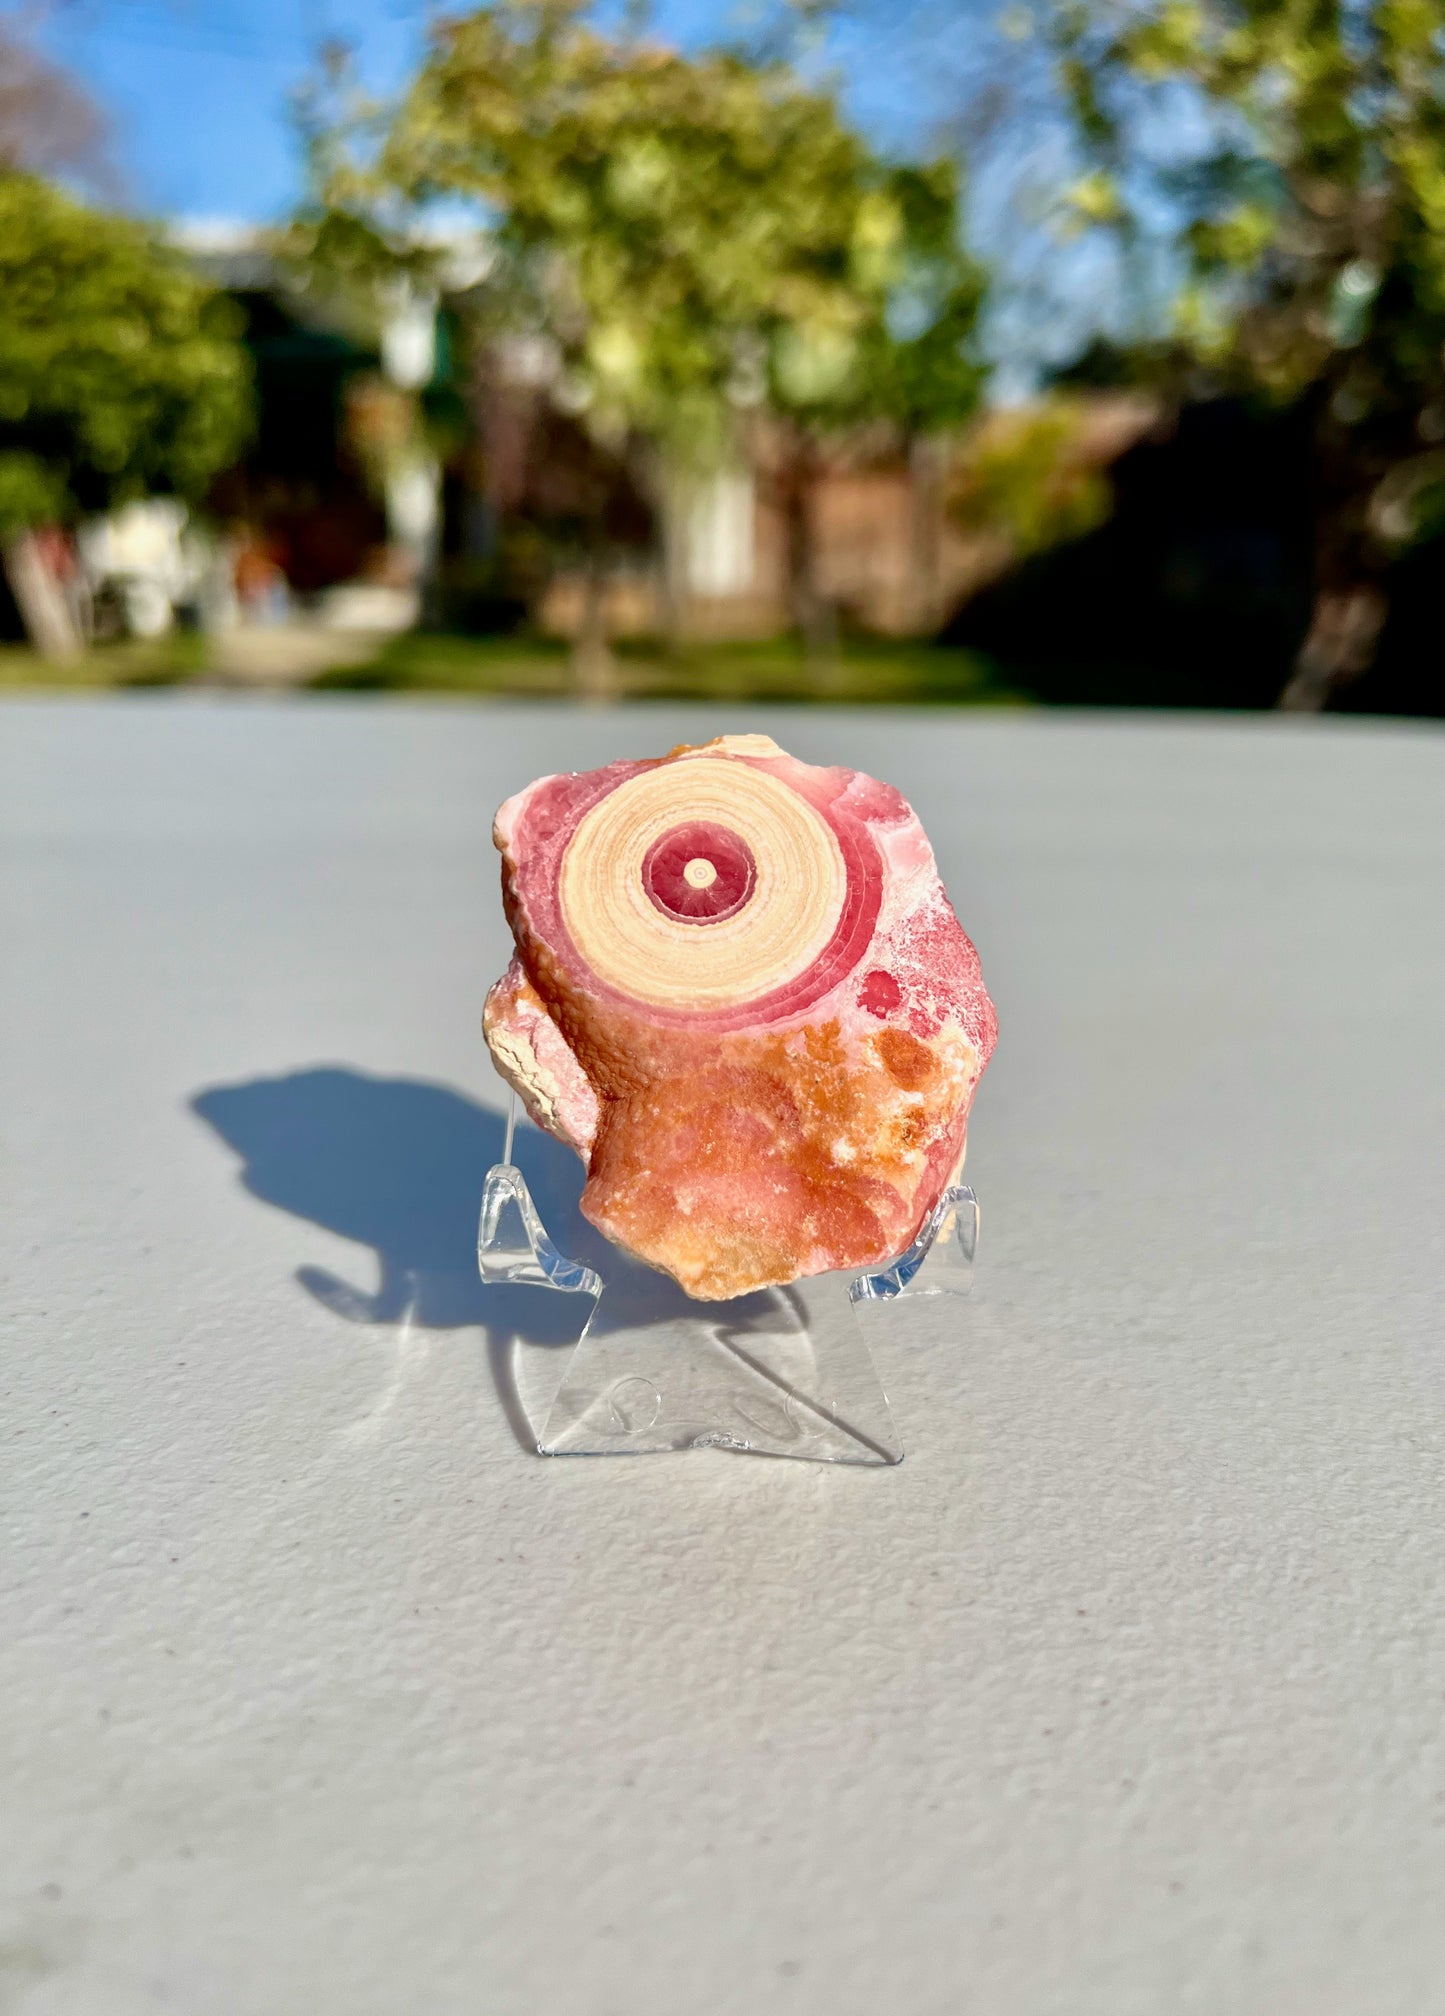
<point>414,476</point>
<point>708,555</point>
<point>506,520</point>
<point>301,490</point>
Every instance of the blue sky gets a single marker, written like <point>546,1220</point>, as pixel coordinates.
<point>198,89</point>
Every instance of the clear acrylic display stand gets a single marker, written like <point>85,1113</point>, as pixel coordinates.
<point>785,1372</point>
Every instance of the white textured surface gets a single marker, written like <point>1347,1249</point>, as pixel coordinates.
<point>1125,1696</point>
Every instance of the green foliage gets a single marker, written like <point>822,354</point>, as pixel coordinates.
<point>1311,219</point>
<point>1029,476</point>
<point>919,366</point>
<point>120,373</point>
<point>31,492</point>
<point>693,234</point>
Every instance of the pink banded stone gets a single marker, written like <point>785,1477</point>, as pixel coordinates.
<point>741,995</point>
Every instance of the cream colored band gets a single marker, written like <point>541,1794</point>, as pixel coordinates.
<point>664,961</point>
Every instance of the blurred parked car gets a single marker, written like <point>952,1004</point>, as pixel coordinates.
<point>141,567</point>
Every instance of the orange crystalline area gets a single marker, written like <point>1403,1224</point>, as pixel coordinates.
<point>740,993</point>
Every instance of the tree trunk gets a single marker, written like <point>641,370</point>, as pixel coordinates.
<point>814,616</point>
<point>924,527</point>
<point>668,490</point>
<point>594,669</point>
<point>44,610</point>
<point>1339,645</point>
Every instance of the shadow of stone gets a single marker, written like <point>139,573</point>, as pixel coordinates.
<point>398,1164</point>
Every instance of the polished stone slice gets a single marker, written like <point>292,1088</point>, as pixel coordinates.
<point>741,994</point>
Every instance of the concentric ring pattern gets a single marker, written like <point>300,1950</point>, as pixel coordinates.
<point>702,886</point>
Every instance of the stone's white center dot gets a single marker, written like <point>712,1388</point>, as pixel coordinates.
<point>699,873</point>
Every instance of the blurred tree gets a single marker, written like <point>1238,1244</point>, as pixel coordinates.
<point>698,241</point>
<point>1296,151</point>
<point>904,355</point>
<point>1031,475</point>
<point>120,374</point>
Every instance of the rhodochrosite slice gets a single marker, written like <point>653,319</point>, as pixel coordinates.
<point>741,995</point>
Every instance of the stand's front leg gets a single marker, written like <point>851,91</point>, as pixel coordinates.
<point>512,1241</point>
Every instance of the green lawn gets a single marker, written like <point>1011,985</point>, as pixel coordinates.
<point>168,661</point>
<point>862,671</point>
<point>779,671</point>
